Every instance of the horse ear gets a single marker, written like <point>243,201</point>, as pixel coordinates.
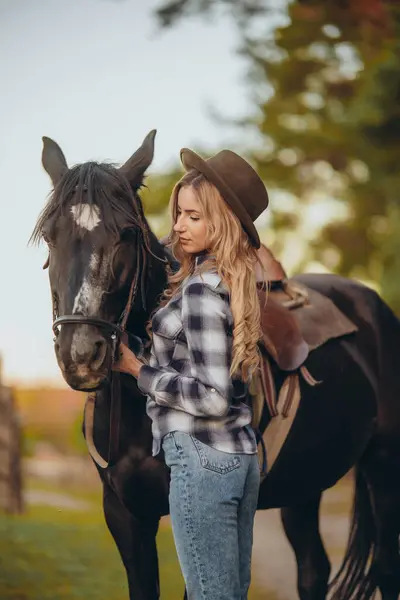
<point>53,160</point>
<point>138,163</point>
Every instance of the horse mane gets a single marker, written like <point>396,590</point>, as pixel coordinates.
<point>97,184</point>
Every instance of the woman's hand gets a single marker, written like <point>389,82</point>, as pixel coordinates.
<point>128,362</point>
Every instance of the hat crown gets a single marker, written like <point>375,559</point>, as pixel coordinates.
<point>243,180</point>
<point>237,182</point>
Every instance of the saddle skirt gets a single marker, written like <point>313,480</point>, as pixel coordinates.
<point>295,320</point>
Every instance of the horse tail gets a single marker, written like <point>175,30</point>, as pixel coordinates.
<point>355,579</point>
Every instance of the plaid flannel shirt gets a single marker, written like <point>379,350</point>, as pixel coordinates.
<point>187,380</point>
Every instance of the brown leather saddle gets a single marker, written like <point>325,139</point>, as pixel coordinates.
<point>281,338</point>
<point>294,319</point>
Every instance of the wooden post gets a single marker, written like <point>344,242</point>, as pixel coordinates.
<point>11,498</point>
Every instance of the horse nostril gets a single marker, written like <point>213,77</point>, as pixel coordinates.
<point>99,352</point>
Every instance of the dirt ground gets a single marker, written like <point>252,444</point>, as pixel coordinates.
<point>274,565</point>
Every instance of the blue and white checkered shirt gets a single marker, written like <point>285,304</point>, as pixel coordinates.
<point>187,380</point>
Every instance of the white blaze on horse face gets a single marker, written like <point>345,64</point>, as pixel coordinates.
<point>88,299</point>
<point>87,302</point>
<point>86,216</point>
<point>94,261</point>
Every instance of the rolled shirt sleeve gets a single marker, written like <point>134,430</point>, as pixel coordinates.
<point>207,392</point>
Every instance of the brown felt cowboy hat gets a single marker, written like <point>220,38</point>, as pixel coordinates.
<point>236,181</point>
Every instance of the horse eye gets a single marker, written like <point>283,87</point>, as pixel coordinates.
<point>46,239</point>
<point>126,235</point>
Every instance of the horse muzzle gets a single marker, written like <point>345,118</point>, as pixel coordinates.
<point>85,348</point>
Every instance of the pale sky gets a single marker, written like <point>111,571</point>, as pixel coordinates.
<point>96,76</point>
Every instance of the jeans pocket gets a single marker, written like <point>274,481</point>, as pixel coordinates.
<point>215,460</point>
<point>169,440</point>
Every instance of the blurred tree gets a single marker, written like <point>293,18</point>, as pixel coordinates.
<point>47,415</point>
<point>156,194</point>
<point>157,189</point>
<point>325,87</point>
<point>77,442</point>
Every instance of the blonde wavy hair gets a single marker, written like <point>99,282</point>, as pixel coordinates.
<point>234,259</point>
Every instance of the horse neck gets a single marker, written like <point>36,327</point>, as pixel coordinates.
<point>156,280</point>
<point>155,283</point>
<point>133,403</point>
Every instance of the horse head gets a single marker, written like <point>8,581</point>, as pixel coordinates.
<point>97,237</point>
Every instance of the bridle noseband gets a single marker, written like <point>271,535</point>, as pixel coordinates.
<point>112,330</point>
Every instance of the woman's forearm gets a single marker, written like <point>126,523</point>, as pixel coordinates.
<point>134,366</point>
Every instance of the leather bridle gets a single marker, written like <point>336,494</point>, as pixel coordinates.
<point>114,333</point>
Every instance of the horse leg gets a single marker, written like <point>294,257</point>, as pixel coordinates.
<point>301,526</point>
<point>136,542</point>
<point>382,469</point>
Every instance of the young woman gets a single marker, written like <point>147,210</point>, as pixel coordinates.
<point>204,349</point>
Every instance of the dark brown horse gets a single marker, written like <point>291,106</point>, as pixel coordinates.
<point>99,243</point>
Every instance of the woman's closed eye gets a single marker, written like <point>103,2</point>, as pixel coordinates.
<point>191,217</point>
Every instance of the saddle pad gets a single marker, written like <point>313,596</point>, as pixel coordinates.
<point>282,416</point>
<point>319,319</point>
<point>278,428</point>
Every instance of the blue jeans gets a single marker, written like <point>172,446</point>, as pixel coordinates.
<point>213,499</point>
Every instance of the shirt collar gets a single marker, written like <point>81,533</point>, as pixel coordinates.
<point>202,257</point>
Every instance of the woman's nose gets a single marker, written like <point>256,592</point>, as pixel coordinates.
<point>178,225</point>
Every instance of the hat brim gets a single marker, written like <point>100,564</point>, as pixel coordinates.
<point>191,160</point>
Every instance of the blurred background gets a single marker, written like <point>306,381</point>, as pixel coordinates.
<point>308,90</point>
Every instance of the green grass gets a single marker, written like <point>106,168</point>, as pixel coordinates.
<point>48,554</point>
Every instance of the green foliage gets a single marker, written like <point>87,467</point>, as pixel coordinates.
<point>30,439</point>
<point>157,190</point>
<point>326,89</point>
<point>170,12</point>
<point>77,443</point>
<point>49,415</point>
<point>156,195</point>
